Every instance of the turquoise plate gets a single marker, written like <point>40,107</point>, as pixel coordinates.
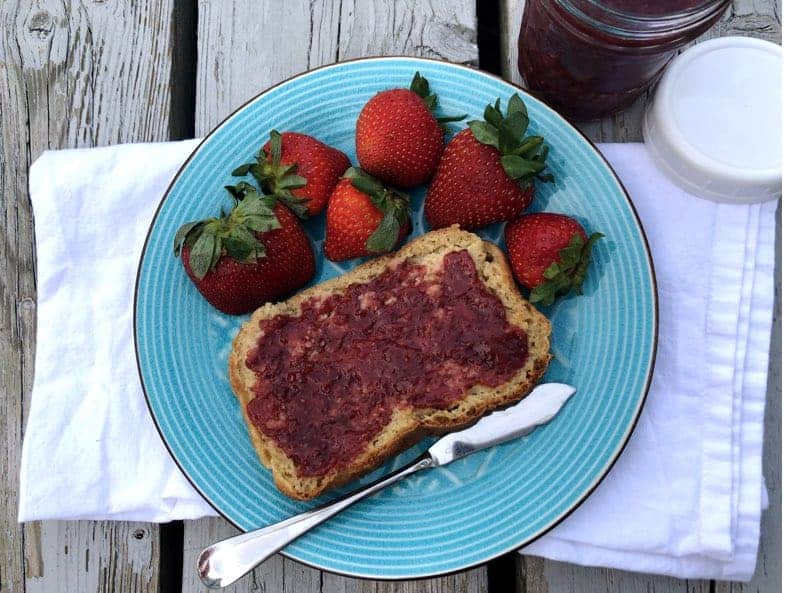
<point>450,518</point>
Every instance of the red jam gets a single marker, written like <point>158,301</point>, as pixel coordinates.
<point>329,379</point>
<point>587,58</point>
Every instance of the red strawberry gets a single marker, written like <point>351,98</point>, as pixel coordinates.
<point>486,172</point>
<point>398,138</point>
<point>364,218</point>
<point>300,170</point>
<point>549,254</point>
<point>255,254</point>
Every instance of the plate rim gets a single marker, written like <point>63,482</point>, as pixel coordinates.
<point>655,315</point>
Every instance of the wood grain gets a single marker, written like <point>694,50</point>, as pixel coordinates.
<point>71,74</point>
<point>537,575</point>
<point>755,18</point>
<point>245,47</point>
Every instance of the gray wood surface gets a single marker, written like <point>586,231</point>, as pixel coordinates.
<point>246,46</point>
<point>71,74</point>
<point>94,72</point>
<point>755,18</point>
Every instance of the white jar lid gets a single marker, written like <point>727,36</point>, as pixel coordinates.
<point>714,124</point>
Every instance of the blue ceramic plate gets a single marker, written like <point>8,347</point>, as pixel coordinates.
<point>447,519</point>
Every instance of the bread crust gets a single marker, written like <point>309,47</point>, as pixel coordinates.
<point>406,427</point>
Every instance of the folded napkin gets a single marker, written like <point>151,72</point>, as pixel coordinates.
<point>686,495</point>
<point>684,498</point>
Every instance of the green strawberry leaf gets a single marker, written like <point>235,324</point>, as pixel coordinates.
<point>275,147</point>
<point>261,224</point>
<point>516,105</point>
<point>506,134</point>
<point>544,293</point>
<point>508,141</point>
<point>431,101</point>
<point>492,115</point>
<point>517,167</point>
<point>363,182</point>
<point>201,258</point>
<point>183,232</point>
<point>485,133</point>
<point>419,85</point>
<point>446,119</point>
<point>569,256</point>
<point>240,190</point>
<point>584,261</point>
<point>385,236</point>
<point>238,250</point>
<point>530,147</point>
<point>234,192</point>
<point>516,123</point>
<point>393,204</point>
<point>242,245</point>
<point>568,274</point>
<point>242,170</point>
<point>366,185</point>
<point>294,204</point>
<point>292,182</point>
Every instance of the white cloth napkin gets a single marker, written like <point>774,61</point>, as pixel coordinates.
<point>91,450</point>
<point>684,498</point>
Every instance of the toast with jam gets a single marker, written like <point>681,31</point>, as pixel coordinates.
<point>350,372</point>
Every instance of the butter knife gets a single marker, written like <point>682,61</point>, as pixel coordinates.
<point>227,561</point>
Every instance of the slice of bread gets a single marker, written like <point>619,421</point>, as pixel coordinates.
<point>406,427</point>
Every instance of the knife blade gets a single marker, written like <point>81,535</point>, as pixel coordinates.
<point>540,406</point>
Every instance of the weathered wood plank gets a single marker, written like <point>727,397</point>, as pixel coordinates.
<point>246,46</point>
<point>756,18</point>
<point>95,556</point>
<point>537,575</point>
<point>470,581</point>
<point>71,74</point>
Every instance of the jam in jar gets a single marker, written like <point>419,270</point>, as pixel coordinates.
<point>587,58</point>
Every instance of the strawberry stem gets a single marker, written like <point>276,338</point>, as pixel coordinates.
<point>420,86</point>
<point>232,234</point>
<point>273,177</point>
<point>393,204</point>
<point>568,273</point>
<point>523,159</point>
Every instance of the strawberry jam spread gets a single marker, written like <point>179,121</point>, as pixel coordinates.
<point>329,380</point>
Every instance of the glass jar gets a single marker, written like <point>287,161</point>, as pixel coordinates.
<point>587,58</point>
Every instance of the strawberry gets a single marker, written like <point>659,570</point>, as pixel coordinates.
<point>486,173</point>
<point>298,169</point>
<point>254,254</point>
<point>549,254</point>
<point>398,138</point>
<point>364,218</point>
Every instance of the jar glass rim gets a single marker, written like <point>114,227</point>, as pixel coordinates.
<point>597,14</point>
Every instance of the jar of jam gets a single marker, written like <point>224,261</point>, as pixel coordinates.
<point>587,58</point>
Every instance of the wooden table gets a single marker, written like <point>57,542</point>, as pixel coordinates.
<point>95,72</point>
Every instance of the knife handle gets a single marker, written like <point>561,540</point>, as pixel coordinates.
<point>227,561</point>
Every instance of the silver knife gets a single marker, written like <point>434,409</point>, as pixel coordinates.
<point>227,561</point>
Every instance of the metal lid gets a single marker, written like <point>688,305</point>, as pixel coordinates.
<point>714,124</point>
